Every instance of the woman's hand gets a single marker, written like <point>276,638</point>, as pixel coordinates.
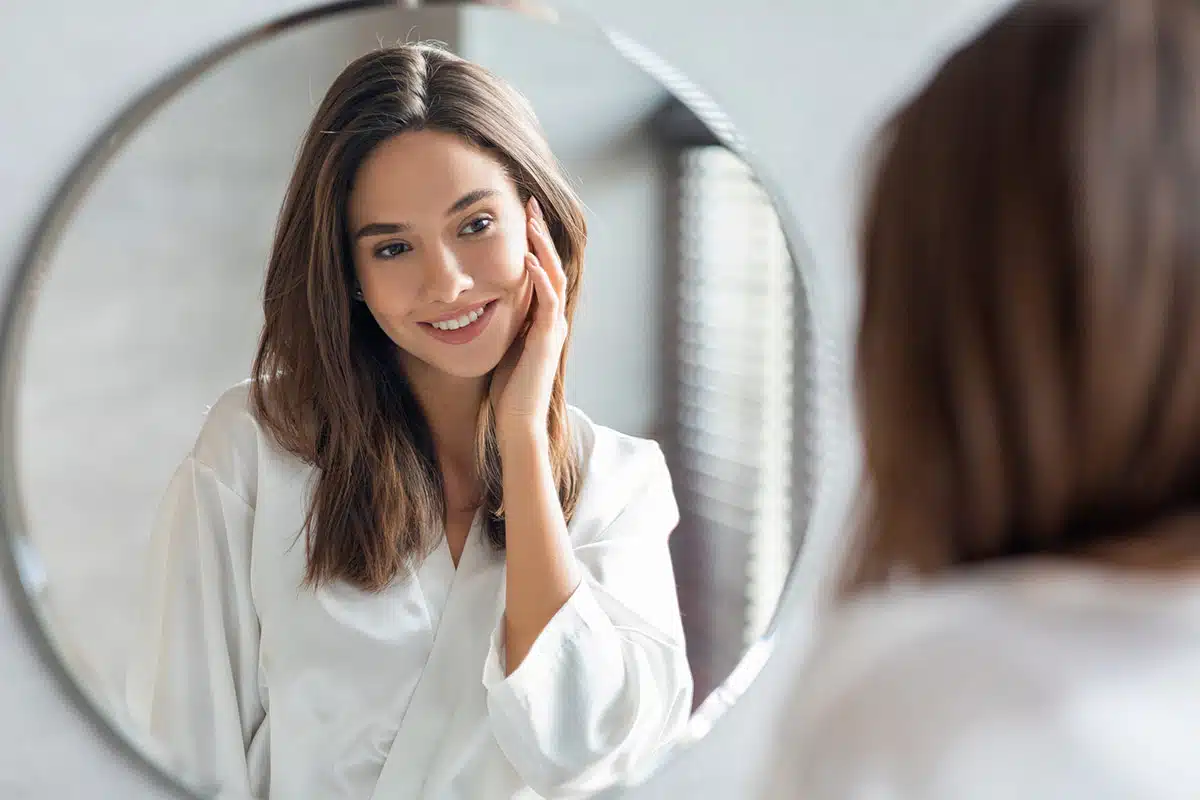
<point>522,382</point>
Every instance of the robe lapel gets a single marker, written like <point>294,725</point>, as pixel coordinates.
<point>460,645</point>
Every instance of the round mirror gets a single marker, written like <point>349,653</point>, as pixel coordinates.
<point>281,564</point>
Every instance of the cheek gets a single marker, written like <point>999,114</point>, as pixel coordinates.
<point>502,260</point>
<point>389,291</point>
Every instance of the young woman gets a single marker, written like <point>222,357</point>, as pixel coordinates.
<point>396,564</point>
<point>1029,389</point>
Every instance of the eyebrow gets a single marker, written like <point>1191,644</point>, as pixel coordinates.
<point>383,228</point>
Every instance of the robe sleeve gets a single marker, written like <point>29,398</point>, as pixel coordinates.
<point>607,682</point>
<point>192,683</point>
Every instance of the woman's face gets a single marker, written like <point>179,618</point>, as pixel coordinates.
<point>439,239</point>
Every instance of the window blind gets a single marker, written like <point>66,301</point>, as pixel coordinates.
<point>735,333</point>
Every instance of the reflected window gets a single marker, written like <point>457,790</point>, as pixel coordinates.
<point>733,358</point>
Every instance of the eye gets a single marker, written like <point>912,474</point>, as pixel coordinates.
<point>392,250</point>
<point>477,225</point>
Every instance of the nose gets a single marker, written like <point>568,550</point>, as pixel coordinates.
<point>445,278</point>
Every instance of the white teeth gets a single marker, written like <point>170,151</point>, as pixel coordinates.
<point>460,322</point>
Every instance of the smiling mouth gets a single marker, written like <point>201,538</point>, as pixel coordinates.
<point>463,328</point>
<point>461,321</point>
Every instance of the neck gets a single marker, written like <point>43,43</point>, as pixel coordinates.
<point>451,408</point>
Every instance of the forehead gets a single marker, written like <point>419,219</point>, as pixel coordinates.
<point>421,174</point>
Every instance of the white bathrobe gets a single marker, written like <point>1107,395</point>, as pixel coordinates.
<point>1037,680</point>
<point>271,689</point>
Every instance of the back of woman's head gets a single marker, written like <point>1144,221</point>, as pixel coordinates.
<point>1029,353</point>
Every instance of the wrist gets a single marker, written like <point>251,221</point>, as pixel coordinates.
<point>522,436</point>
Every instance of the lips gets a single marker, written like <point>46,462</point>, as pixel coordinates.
<point>463,327</point>
<point>459,319</point>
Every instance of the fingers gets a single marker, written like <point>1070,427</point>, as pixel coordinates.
<point>548,303</point>
<point>544,249</point>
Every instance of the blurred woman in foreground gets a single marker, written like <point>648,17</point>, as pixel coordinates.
<point>1024,586</point>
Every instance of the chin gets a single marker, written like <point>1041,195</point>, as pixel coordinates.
<point>465,363</point>
<point>465,371</point>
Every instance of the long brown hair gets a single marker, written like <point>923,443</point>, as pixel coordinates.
<point>1028,361</point>
<point>328,386</point>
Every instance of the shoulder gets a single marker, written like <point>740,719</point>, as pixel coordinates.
<point>619,472</point>
<point>892,685</point>
<point>230,442</point>
<point>965,682</point>
<point>891,643</point>
<point>986,618</point>
<point>603,450</point>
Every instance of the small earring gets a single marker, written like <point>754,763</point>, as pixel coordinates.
<point>358,294</point>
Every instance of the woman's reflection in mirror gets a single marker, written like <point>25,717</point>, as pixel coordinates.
<point>396,562</point>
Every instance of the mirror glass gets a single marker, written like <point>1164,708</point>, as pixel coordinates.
<point>169,523</point>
